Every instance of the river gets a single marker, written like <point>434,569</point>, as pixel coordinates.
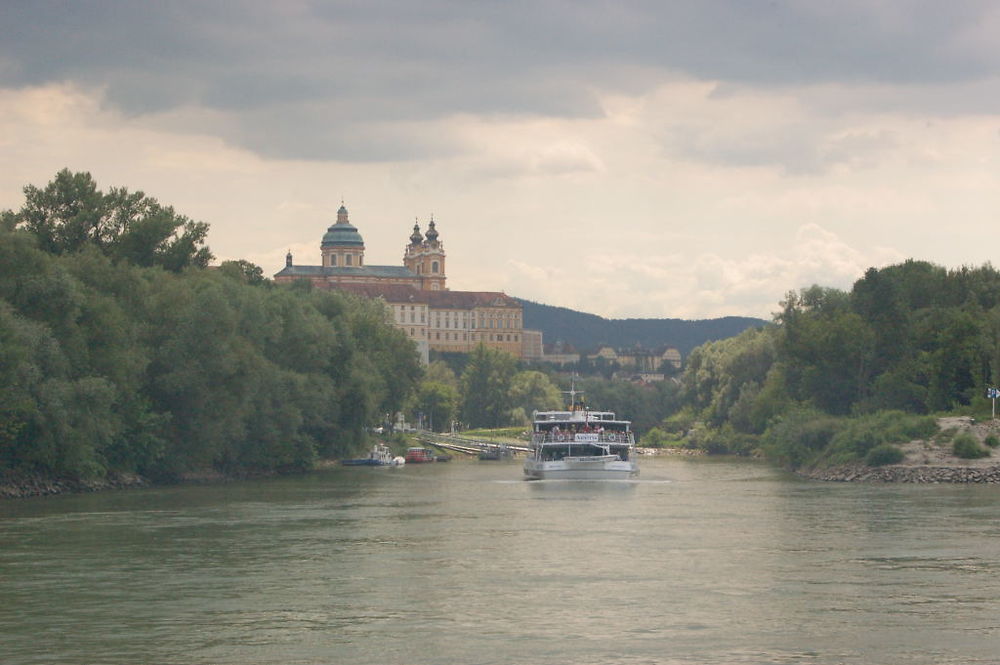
<point>698,561</point>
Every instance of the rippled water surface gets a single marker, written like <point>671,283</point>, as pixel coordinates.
<point>699,561</point>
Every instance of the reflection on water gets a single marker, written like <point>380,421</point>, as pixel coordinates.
<point>697,561</point>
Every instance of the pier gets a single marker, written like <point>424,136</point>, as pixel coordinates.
<point>466,445</point>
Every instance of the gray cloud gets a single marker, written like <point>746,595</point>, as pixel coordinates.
<point>322,80</point>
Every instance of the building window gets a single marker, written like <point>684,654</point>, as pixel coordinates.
<point>333,259</point>
<point>434,267</point>
<point>348,260</point>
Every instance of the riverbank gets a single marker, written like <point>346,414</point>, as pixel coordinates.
<point>926,461</point>
<point>21,485</point>
<point>24,485</point>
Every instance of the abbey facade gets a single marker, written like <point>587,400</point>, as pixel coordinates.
<point>415,293</point>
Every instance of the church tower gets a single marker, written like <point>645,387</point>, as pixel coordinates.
<point>425,257</point>
<point>342,245</point>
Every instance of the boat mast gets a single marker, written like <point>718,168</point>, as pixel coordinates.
<point>572,392</point>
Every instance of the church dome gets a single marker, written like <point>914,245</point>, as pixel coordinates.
<point>343,233</point>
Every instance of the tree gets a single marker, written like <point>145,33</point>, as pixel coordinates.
<point>438,402</point>
<point>244,270</point>
<point>533,391</point>
<point>71,213</point>
<point>827,348</point>
<point>486,384</point>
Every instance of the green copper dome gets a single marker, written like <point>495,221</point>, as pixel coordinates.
<point>343,233</point>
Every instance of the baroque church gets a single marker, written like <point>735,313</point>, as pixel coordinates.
<point>415,293</point>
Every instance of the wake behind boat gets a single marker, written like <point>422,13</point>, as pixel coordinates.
<point>581,444</point>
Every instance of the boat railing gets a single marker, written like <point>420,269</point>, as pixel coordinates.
<point>571,437</point>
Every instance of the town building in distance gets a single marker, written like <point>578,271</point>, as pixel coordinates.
<point>417,297</point>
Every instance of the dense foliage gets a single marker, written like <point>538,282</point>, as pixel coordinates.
<point>491,391</point>
<point>912,338</point>
<point>120,352</point>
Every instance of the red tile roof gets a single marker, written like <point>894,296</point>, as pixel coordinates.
<point>404,293</point>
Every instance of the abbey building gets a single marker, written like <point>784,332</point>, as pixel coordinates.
<point>416,293</point>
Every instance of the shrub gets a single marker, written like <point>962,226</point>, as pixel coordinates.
<point>795,438</point>
<point>992,441</point>
<point>884,454</point>
<point>653,438</point>
<point>967,447</point>
<point>727,441</point>
<point>856,437</point>
<point>946,435</point>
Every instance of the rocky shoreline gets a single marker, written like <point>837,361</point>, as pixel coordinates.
<point>926,461</point>
<point>907,474</point>
<point>19,486</point>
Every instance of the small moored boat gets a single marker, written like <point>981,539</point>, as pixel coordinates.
<point>417,455</point>
<point>496,452</point>
<point>380,455</point>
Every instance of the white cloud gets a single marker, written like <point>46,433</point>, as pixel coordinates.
<point>618,285</point>
<point>611,159</point>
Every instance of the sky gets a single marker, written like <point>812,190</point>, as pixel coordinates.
<point>683,159</point>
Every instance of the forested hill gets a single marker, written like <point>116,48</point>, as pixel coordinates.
<point>588,331</point>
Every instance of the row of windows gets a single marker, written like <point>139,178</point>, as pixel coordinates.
<point>453,337</point>
<point>454,323</point>
<point>348,260</point>
<point>401,317</point>
<point>484,323</point>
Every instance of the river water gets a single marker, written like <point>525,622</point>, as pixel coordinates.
<point>698,561</point>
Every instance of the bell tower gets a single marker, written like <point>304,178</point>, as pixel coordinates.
<point>425,257</point>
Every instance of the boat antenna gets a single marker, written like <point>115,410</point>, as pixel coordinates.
<point>572,392</point>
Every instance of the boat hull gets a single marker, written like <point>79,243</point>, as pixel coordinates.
<point>580,470</point>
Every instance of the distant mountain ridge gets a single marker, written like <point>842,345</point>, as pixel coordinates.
<point>586,332</point>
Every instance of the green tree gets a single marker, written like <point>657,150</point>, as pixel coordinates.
<point>438,402</point>
<point>244,270</point>
<point>827,348</point>
<point>533,391</point>
<point>71,213</point>
<point>486,384</point>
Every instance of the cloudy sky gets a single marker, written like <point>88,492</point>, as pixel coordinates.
<point>688,158</point>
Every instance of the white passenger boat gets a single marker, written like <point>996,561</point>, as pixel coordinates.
<point>581,444</point>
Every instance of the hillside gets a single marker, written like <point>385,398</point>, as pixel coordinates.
<point>588,331</point>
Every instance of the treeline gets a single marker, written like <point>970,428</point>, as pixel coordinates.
<point>586,332</point>
<point>905,341</point>
<point>488,389</point>
<point>120,351</point>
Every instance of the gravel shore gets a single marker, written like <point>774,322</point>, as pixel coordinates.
<point>926,461</point>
